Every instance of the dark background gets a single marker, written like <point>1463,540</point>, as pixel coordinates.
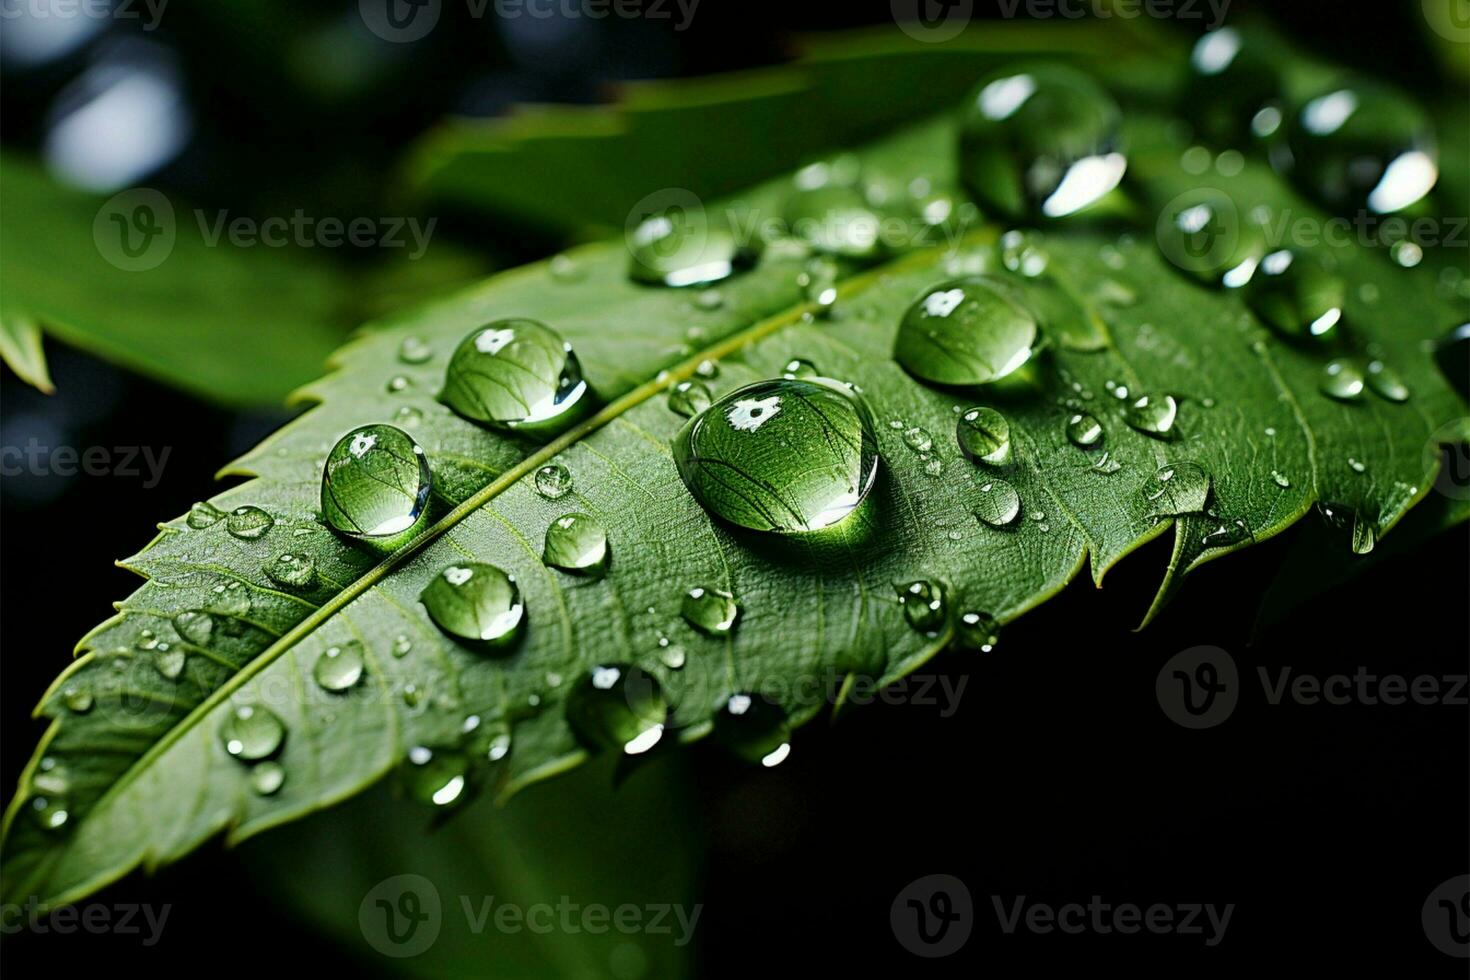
<point>1058,778</point>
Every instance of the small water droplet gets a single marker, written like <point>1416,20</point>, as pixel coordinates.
<point>413,350</point>
<point>576,543</point>
<point>978,631</point>
<point>1386,383</point>
<point>918,439</point>
<point>475,603</point>
<point>619,707</point>
<point>1084,431</point>
<point>553,481</point>
<point>709,300</point>
<point>1357,465</point>
<point>1342,379</point>
<point>401,645</point>
<point>169,663</point>
<point>435,777</point>
<point>339,667</point>
<point>998,504</point>
<point>78,699</point>
<point>689,398</point>
<point>1280,479</point>
<point>267,778</point>
<point>565,269</point>
<point>1152,415</point>
<point>408,415</point>
<point>984,436</point>
<point>713,612</point>
<point>818,282</point>
<point>682,247</point>
<point>671,656</point>
<point>50,812</point>
<point>203,515</point>
<point>1107,464</point>
<point>923,605</point>
<point>707,369</point>
<point>250,732</point>
<point>1177,488</point>
<point>800,367</point>
<point>196,626</point>
<point>249,522</point>
<point>399,382</point>
<point>294,571</point>
<point>754,728</point>
<point>1297,297</point>
<point>499,746</point>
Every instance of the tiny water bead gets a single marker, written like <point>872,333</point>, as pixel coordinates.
<point>1280,479</point>
<point>292,570</point>
<point>203,515</point>
<point>689,398</point>
<point>565,269</point>
<point>1297,297</point>
<point>978,631</point>
<point>1202,233</point>
<point>786,455</point>
<point>1177,488</point>
<point>964,332</point>
<point>435,777</point>
<point>1385,382</point>
<point>1107,464</point>
<point>267,778</point>
<point>553,481</point>
<point>250,732</point>
<point>923,605</point>
<point>1231,79</point>
<point>413,350</point>
<point>576,543</point>
<point>918,439</point>
<point>249,522</point>
<point>818,282</point>
<point>1153,415</point>
<point>516,374</point>
<point>754,728</point>
<point>997,504</point>
<point>1362,145</point>
<point>1084,431</point>
<point>984,436</point>
<point>399,382</point>
<point>476,603</point>
<point>1342,379</point>
<point>618,707</point>
<point>714,612</point>
<point>78,700</point>
<point>680,247</point>
<point>375,485</point>
<point>1040,141</point>
<point>1021,253</point>
<point>799,367</point>
<point>339,667</point>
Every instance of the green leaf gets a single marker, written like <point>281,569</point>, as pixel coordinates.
<point>20,348</point>
<point>1184,382</point>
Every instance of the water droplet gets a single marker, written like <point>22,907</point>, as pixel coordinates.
<point>689,398</point>
<point>565,269</point>
<point>50,812</point>
<point>339,667</point>
<point>1177,488</point>
<point>203,515</point>
<point>412,696</point>
<point>1342,379</point>
<point>923,605</point>
<point>1226,534</point>
<point>267,778</point>
<point>147,640</point>
<point>1297,297</point>
<point>292,571</point>
<point>78,699</point>
<point>576,543</point>
<point>196,626</point>
<point>499,746</point>
<point>984,436</point>
<point>413,350</point>
<point>170,663</point>
<point>1021,253</point>
<point>918,439</point>
<point>713,612</point>
<point>978,631</point>
<point>1361,146</point>
<point>1084,431</point>
<point>835,219</point>
<point>1280,479</point>
<point>800,367</point>
<point>1357,465</point>
<point>964,332</point>
<point>476,603</point>
<point>402,645</point>
<point>51,778</point>
<point>818,282</point>
<point>250,732</point>
<point>1202,234</point>
<point>1040,141</point>
<point>553,481</point>
<point>375,485</point>
<point>516,374</point>
<point>1364,536</point>
<point>709,300</point>
<point>754,728</point>
<point>671,656</point>
<point>1107,464</point>
<point>408,415</point>
<point>682,247</point>
<point>399,382</point>
<point>782,455</point>
<point>1231,78</point>
<point>618,707</point>
<point>435,777</point>
<point>1386,383</point>
<point>998,503</point>
<point>249,522</point>
<point>1152,415</point>
<point>933,466</point>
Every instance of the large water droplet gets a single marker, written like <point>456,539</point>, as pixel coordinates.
<point>682,247</point>
<point>576,543</point>
<point>924,605</point>
<point>475,603</point>
<point>339,667</point>
<point>516,374</point>
<point>1084,431</point>
<point>711,611</point>
<point>689,398</point>
<point>249,522</point>
<point>435,777</point>
<point>1342,379</point>
<point>1362,145</point>
<point>964,332</point>
<point>1177,488</point>
<point>783,455</point>
<point>1152,415</point>
<point>998,504</point>
<point>1386,383</point>
<point>1297,297</point>
<point>251,732</point>
<point>1040,141</point>
<point>1231,78</point>
<point>619,707</point>
<point>267,778</point>
<point>978,631</point>
<point>754,728</point>
<point>835,219</point>
<point>984,436</point>
<point>553,481</point>
<point>375,485</point>
<point>1202,233</point>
